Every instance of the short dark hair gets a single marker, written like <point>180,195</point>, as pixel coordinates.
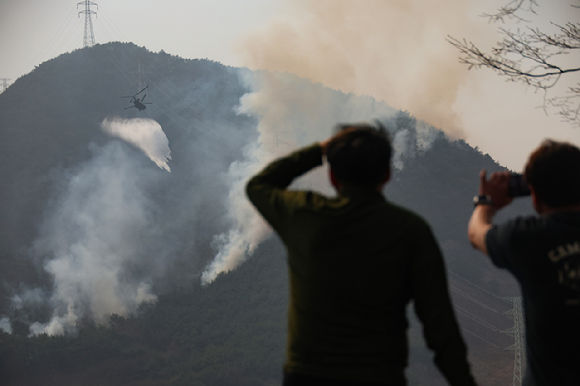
<point>553,171</point>
<point>361,156</point>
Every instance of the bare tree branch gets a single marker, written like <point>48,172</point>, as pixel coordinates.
<point>569,39</point>
<point>511,9</point>
<point>530,56</point>
<point>568,105</point>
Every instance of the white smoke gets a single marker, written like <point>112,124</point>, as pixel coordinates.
<point>399,147</point>
<point>5,325</point>
<point>28,296</point>
<point>425,136</point>
<point>93,236</point>
<point>244,235</point>
<point>145,133</point>
<point>292,112</point>
<point>105,238</point>
<point>97,241</point>
<point>394,50</point>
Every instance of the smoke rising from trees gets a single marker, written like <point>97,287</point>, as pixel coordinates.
<point>96,238</point>
<point>118,222</point>
<point>292,112</point>
<point>103,242</point>
<point>393,50</point>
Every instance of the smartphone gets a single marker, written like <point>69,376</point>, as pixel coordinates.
<point>517,186</point>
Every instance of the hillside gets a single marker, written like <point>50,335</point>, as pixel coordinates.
<point>90,224</point>
<point>51,127</point>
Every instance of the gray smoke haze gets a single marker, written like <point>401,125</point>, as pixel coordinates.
<point>5,325</point>
<point>394,50</point>
<point>96,239</point>
<point>291,112</point>
<point>104,240</point>
<point>119,222</point>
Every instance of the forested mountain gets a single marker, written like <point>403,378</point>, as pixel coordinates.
<point>95,236</point>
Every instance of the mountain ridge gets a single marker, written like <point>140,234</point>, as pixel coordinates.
<point>50,138</point>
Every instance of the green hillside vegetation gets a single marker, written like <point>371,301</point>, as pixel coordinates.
<point>232,331</point>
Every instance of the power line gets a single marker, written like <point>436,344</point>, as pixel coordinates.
<point>203,122</point>
<point>471,298</point>
<point>278,141</point>
<point>89,36</point>
<point>113,28</point>
<point>140,72</point>
<point>479,288</point>
<point>479,337</point>
<point>471,316</point>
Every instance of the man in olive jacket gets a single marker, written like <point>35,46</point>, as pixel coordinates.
<point>355,262</point>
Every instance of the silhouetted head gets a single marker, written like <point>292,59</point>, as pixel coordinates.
<point>553,172</point>
<point>360,155</point>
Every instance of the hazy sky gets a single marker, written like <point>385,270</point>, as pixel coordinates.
<point>398,53</point>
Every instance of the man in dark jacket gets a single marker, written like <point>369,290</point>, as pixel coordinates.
<point>355,262</point>
<point>543,253</point>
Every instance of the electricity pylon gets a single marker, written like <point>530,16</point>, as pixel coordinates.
<point>518,332</point>
<point>278,140</point>
<point>89,37</point>
<point>140,72</point>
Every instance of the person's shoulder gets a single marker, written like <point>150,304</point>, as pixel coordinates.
<point>309,200</point>
<point>523,224</point>
<point>566,218</point>
<point>407,215</point>
<point>520,230</point>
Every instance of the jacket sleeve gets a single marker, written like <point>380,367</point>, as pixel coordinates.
<point>435,311</point>
<point>267,189</point>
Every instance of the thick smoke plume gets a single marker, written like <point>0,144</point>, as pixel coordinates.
<point>394,50</point>
<point>102,241</point>
<point>117,223</point>
<point>291,112</point>
<point>96,238</point>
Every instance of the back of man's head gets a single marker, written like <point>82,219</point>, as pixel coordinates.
<point>553,171</point>
<point>361,156</point>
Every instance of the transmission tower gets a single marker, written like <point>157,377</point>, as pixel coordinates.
<point>89,37</point>
<point>141,73</point>
<point>518,332</point>
<point>4,83</point>
<point>278,140</point>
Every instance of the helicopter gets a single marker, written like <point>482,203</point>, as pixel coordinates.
<point>137,102</point>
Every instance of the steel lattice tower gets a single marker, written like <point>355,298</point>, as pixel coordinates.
<point>518,332</point>
<point>89,37</point>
